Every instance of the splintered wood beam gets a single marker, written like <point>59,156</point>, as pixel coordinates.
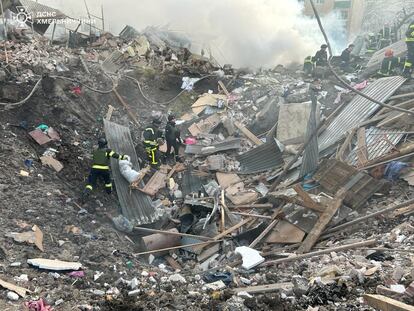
<point>127,107</point>
<point>307,200</point>
<point>316,253</point>
<point>383,303</point>
<point>248,134</point>
<point>322,222</point>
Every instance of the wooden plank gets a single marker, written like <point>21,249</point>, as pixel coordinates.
<point>17,289</point>
<point>286,233</point>
<point>269,228</point>
<point>248,134</point>
<point>251,206</point>
<point>362,150</point>
<point>404,210</point>
<point>383,303</point>
<point>223,88</point>
<point>208,252</point>
<point>51,162</point>
<point>264,233</point>
<point>252,215</point>
<point>173,263</point>
<point>322,222</point>
<point>309,202</point>
<point>109,112</point>
<point>175,247</point>
<point>156,182</point>
<point>127,107</point>
<point>148,230</point>
<point>317,253</point>
<point>226,180</point>
<point>259,289</point>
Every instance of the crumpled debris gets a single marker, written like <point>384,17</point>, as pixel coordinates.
<point>38,305</point>
<point>394,169</point>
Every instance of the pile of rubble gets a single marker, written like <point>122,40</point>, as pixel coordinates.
<point>253,218</point>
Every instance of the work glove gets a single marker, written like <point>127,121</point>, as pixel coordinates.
<point>125,157</point>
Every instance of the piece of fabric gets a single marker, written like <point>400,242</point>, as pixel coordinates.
<point>393,170</point>
<point>38,305</point>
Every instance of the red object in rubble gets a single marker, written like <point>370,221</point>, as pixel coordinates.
<point>190,141</point>
<point>38,305</point>
<point>77,90</point>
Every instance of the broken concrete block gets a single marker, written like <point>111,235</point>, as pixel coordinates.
<point>54,265</point>
<point>300,285</point>
<point>251,257</point>
<point>218,285</point>
<point>177,278</point>
<point>215,162</point>
<point>12,296</point>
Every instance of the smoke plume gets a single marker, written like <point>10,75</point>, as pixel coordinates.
<point>245,33</point>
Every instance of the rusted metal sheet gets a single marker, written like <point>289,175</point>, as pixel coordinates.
<point>135,205</point>
<point>358,110</point>
<point>378,143</point>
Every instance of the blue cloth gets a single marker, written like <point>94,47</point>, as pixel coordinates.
<point>393,170</point>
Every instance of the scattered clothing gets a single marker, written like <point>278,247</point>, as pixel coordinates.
<point>394,169</point>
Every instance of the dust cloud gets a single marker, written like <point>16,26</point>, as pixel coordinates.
<point>245,33</point>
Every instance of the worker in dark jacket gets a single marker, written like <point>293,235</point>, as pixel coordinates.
<point>321,57</point>
<point>153,137</point>
<point>346,58</point>
<point>100,166</point>
<point>409,40</point>
<point>390,63</point>
<point>172,137</point>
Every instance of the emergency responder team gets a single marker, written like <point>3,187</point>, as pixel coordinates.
<point>389,65</point>
<point>152,138</point>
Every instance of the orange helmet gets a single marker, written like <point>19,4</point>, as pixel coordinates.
<point>389,53</point>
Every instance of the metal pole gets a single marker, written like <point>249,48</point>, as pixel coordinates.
<point>5,32</point>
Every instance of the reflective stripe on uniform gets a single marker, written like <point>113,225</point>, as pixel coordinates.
<point>110,154</point>
<point>151,142</point>
<point>101,167</point>
<point>153,161</point>
<point>108,185</point>
<point>89,187</point>
<point>408,64</point>
<point>150,129</point>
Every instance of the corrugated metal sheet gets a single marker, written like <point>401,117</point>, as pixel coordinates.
<point>310,158</point>
<point>37,10</point>
<point>262,158</point>
<point>111,63</point>
<point>232,143</point>
<point>359,110</point>
<point>135,205</point>
<point>399,48</point>
<point>379,142</point>
<point>128,32</point>
<point>191,182</point>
